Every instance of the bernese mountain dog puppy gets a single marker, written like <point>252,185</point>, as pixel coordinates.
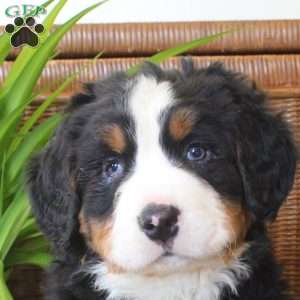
<point>158,186</point>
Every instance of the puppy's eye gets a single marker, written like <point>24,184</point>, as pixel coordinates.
<point>197,153</point>
<point>113,168</point>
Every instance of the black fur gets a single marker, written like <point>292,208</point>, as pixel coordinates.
<point>251,146</point>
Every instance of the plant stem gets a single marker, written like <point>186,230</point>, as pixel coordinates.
<point>4,292</point>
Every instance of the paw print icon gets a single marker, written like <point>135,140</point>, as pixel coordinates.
<point>24,32</point>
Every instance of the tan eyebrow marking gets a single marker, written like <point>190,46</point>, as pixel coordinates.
<point>113,136</point>
<point>181,123</point>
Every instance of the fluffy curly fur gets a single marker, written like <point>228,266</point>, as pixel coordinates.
<point>200,140</point>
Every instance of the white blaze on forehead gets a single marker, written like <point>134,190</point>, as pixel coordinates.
<point>147,101</point>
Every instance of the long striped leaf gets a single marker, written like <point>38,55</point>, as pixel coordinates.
<point>12,222</point>
<point>35,116</point>
<point>9,123</point>
<point>4,291</point>
<point>163,55</point>
<point>29,229</point>
<point>50,19</point>
<point>41,258</point>
<point>33,142</point>
<point>38,243</point>
<point>2,174</point>
<point>5,46</point>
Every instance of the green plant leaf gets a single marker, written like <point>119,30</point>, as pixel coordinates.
<point>7,273</point>
<point>37,243</point>
<point>35,234</point>
<point>31,72</point>
<point>9,123</point>
<point>25,129</point>
<point>38,258</point>
<point>50,19</point>
<point>163,55</point>
<point>33,142</point>
<point>11,190</point>
<point>12,222</point>
<point>29,229</point>
<point>37,114</point>
<point>5,46</point>
<point>4,291</point>
<point>2,184</point>
<point>28,249</point>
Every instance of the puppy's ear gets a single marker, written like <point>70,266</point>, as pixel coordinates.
<point>55,201</point>
<point>266,157</point>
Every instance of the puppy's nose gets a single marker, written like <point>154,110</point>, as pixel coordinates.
<point>159,222</point>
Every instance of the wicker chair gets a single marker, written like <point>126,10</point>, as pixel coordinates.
<point>267,51</point>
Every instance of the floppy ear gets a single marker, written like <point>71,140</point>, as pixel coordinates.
<point>52,183</point>
<point>266,158</point>
<point>54,199</point>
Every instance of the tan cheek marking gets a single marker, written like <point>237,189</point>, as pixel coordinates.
<point>98,235</point>
<point>181,123</point>
<point>238,222</point>
<point>113,137</point>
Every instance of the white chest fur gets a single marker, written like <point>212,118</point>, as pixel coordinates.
<point>206,284</point>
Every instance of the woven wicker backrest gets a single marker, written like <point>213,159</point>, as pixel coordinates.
<point>268,52</point>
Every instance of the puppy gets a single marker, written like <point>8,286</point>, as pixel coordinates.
<point>159,186</point>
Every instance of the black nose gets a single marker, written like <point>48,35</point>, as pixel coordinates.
<point>159,222</point>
